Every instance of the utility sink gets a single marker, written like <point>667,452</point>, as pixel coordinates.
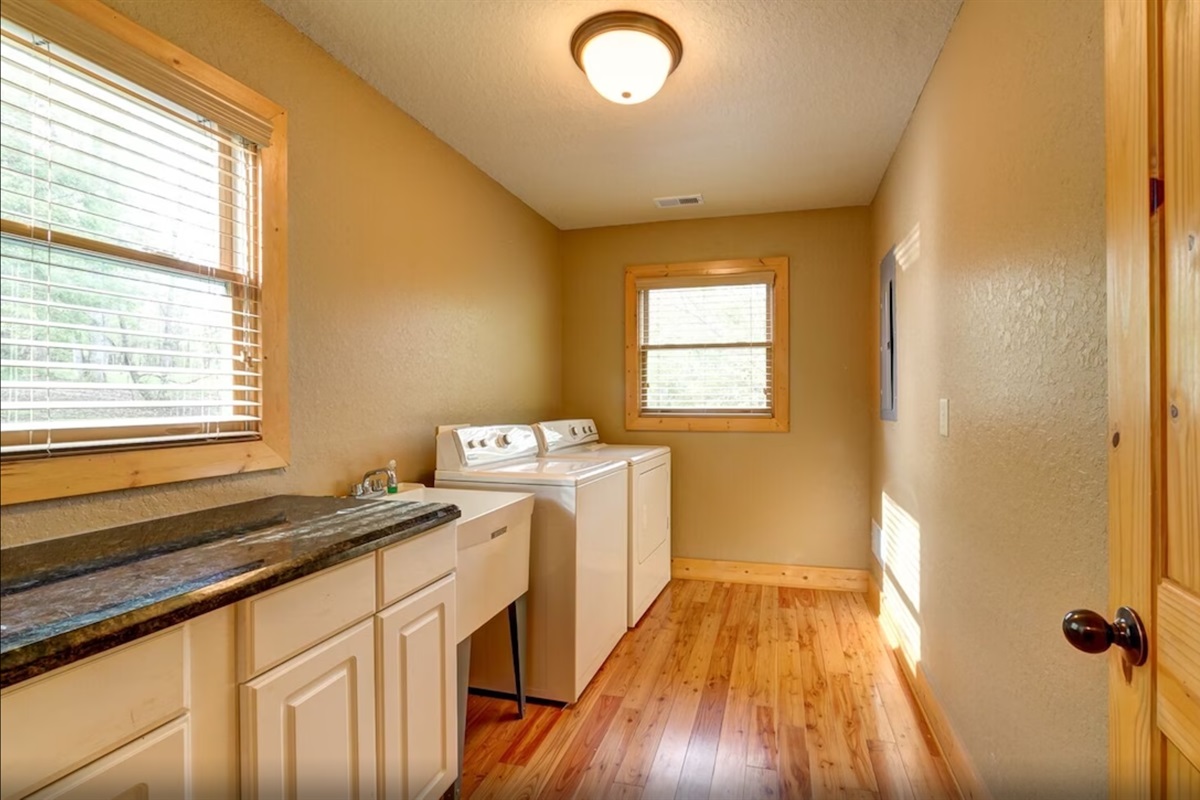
<point>493,549</point>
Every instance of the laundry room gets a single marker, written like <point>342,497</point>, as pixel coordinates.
<point>398,403</point>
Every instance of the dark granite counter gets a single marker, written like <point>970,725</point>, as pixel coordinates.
<point>65,599</point>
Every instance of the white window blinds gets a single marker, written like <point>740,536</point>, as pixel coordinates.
<point>129,263</point>
<point>705,344</point>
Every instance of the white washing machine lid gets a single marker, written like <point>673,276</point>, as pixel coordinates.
<point>542,471</point>
<point>629,453</point>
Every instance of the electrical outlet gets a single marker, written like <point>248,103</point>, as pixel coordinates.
<point>944,416</point>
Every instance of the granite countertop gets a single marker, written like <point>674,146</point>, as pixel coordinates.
<point>65,599</point>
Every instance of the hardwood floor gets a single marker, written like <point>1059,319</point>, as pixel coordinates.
<point>723,691</point>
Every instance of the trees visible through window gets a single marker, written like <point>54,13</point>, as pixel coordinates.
<point>706,346</point>
<point>131,257</point>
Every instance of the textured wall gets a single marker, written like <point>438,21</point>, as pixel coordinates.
<point>421,291</point>
<point>997,188</point>
<point>790,498</point>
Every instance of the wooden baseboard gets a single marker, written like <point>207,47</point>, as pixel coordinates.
<point>962,769</point>
<point>790,575</point>
<point>873,594</point>
<point>970,785</point>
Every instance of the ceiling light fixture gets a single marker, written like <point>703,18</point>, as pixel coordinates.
<point>626,55</point>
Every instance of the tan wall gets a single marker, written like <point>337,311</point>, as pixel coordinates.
<point>792,498</point>
<point>1002,310</point>
<point>421,291</point>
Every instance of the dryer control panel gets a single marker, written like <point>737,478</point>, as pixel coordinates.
<point>563,433</point>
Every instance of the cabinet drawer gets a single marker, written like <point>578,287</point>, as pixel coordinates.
<point>153,766</point>
<point>407,566</point>
<point>60,722</point>
<point>276,625</point>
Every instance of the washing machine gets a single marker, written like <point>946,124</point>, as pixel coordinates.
<point>579,544</point>
<point>648,473</point>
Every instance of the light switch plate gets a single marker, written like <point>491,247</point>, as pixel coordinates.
<point>944,416</point>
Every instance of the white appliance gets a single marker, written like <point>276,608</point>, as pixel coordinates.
<point>649,477</point>
<point>578,552</point>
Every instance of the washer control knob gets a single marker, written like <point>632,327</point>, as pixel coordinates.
<point>502,440</point>
<point>574,430</point>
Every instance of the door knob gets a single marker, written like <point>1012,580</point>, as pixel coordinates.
<point>1090,632</point>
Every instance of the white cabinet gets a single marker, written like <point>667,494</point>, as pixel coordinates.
<point>156,717</point>
<point>309,724</point>
<point>153,767</point>
<point>369,711</point>
<point>322,679</point>
<point>416,643</point>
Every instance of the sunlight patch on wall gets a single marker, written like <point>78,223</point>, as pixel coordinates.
<point>909,248</point>
<point>901,591</point>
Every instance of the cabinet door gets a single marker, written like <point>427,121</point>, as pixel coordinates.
<point>151,767</point>
<point>308,725</point>
<point>418,698</point>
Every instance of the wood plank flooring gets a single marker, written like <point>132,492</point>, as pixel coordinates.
<point>722,691</point>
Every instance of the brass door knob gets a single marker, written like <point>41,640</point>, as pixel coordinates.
<point>1088,631</point>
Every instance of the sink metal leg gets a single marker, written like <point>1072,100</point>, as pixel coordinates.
<point>516,635</point>
<point>464,674</point>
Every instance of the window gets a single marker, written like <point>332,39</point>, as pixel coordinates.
<point>706,346</point>
<point>141,260</point>
<point>887,336</point>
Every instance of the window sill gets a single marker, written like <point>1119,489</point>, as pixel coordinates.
<point>69,476</point>
<point>707,423</point>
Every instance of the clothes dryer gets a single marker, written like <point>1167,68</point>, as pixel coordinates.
<point>648,474</point>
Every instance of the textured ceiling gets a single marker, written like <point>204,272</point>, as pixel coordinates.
<point>777,105</point>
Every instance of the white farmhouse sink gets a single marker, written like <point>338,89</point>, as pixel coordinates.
<point>493,549</point>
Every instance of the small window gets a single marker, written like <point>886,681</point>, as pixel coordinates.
<point>138,283</point>
<point>706,346</point>
<point>887,337</point>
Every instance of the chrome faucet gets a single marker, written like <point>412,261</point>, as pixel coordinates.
<point>376,481</point>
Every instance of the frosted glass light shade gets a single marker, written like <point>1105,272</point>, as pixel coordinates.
<point>626,66</point>
<point>626,55</point>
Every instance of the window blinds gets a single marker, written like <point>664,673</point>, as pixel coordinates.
<point>705,344</point>
<point>129,274</point>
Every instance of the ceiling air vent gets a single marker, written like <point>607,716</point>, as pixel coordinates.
<point>679,200</point>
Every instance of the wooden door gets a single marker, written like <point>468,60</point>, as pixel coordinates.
<point>1178,601</point>
<point>308,725</point>
<point>1153,161</point>
<point>151,767</point>
<point>419,695</point>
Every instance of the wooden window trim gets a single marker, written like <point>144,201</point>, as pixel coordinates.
<point>778,422</point>
<point>29,480</point>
